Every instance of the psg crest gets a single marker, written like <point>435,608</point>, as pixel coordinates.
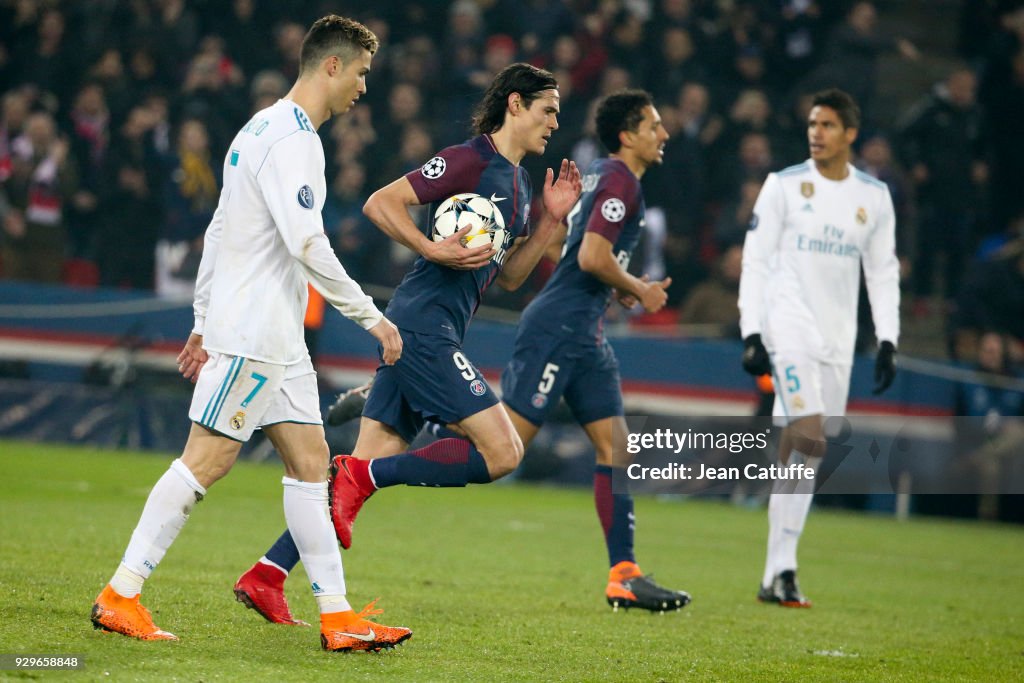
<point>477,387</point>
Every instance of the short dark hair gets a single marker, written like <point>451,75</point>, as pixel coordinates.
<point>525,79</point>
<point>843,104</point>
<point>336,36</point>
<point>620,111</point>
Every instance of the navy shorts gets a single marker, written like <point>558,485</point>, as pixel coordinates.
<point>546,367</point>
<point>433,380</point>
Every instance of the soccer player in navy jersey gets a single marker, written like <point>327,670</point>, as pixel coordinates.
<point>561,350</point>
<point>432,307</point>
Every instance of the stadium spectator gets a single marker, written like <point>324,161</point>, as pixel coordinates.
<point>815,226</point>
<point>945,146</point>
<point>14,110</point>
<point>991,299</point>
<point>189,196</point>
<point>43,60</point>
<point>713,302</point>
<point>851,57</point>
<point>678,64</point>
<point>990,433</point>
<point>359,245</point>
<point>800,34</point>
<point>90,141</point>
<point>34,201</point>
<point>127,233</point>
<point>266,233</point>
<point>735,216</point>
<point>266,87</point>
<point>1002,93</point>
<point>108,71</point>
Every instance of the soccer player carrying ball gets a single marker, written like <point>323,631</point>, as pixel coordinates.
<point>432,307</point>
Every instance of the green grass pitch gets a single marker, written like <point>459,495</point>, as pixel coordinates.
<point>501,583</point>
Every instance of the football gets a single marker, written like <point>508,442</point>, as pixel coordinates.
<point>485,219</point>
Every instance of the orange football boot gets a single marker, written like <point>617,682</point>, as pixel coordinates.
<point>118,614</point>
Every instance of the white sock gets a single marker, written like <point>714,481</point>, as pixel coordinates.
<point>329,604</point>
<point>774,526</point>
<point>305,510</point>
<point>793,510</point>
<point>166,511</point>
<point>125,582</point>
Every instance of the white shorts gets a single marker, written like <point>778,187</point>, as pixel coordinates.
<point>234,395</point>
<point>804,386</point>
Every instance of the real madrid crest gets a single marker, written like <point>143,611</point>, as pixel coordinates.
<point>237,420</point>
<point>862,216</point>
<point>798,403</point>
<point>807,189</point>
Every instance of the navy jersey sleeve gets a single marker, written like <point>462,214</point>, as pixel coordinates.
<point>455,169</point>
<point>615,200</point>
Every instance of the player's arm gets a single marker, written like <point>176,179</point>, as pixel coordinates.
<point>193,356</point>
<point>290,167</point>
<point>760,245</point>
<point>554,248</point>
<point>560,195</point>
<point>882,274</point>
<point>597,257</point>
<point>388,208</point>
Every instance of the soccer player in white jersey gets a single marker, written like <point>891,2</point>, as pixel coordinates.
<point>814,226</point>
<point>246,352</point>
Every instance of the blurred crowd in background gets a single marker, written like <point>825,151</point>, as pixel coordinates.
<point>116,115</point>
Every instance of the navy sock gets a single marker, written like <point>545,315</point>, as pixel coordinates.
<point>284,553</point>
<point>615,510</point>
<point>448,462</point>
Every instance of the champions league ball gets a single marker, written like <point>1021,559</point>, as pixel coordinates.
<point>487,226</point>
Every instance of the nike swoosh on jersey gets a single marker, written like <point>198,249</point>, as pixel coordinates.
<point>365,637</point>
<point>496,199</point>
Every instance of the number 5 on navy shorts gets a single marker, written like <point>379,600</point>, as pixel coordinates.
<point>544,368</point>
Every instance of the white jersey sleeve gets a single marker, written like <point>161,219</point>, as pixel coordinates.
<point>882,274</point>
<point>759,251</point>
<point>204,278</point>
<point>300,223</point>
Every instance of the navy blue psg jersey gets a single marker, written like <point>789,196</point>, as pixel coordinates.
<point>612,205</point>
<point>433,299</point>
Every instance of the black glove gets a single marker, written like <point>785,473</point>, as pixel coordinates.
<point>755,356</point>
<point>885,367</point>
